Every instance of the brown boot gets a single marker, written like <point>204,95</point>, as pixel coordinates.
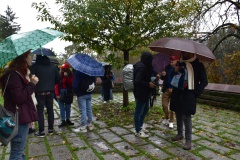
<point>187,145</point>
<point>177,137</point>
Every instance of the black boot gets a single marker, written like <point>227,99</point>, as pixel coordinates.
<point>62,124</point>
<point>69,122</point>
<point>187,145</point>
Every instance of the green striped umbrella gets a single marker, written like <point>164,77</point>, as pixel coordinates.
<point>17,44</point>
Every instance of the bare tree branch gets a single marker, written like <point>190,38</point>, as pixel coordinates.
<point>224,38</point>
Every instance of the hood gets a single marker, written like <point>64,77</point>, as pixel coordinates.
<point>44,60</point>
<point>146,58</point>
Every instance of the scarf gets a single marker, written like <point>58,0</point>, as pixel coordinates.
<point>190,72</point>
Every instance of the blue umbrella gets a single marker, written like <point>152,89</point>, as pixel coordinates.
<point>86,64</point>
<point>44,51</point>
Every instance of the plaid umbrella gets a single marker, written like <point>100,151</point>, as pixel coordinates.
<point>44,51</point>
<point>17,44</point>
<point>86,64</point>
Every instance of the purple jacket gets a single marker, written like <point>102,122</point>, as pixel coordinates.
<point>18,93</point>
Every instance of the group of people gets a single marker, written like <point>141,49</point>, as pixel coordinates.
<point>183,81</point>
<point>21,80</point>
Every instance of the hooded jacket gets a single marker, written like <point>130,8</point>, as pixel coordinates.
<point>47,74</point>
<point>142,77</point>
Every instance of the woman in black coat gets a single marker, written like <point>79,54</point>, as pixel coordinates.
<point>184,96</point>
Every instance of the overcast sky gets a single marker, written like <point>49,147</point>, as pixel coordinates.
<point>28,21</point>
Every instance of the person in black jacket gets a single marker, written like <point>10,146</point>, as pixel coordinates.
<point>189,80</point>
<point>167,91</point>
<point>142,89</point>
<point>48,75</point>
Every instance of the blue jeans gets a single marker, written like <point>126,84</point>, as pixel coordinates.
<point>45,100</point>
<point>18,143</point>
<point>65,109</point>
<point>84,104</point>
<point>141,111</point>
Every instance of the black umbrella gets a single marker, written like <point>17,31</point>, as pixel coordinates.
<point>53,60</point>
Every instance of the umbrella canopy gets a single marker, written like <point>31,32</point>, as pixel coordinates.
<point>174,46</point>
<point>17,44</point>
<point>53,60</point>
<point>160,61</point>
<point>44,51</point>
<point>86,64</point>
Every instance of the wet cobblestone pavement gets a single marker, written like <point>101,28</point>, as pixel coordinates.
<point>215,136</point>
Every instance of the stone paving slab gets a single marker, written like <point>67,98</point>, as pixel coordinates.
<point>215,137</point>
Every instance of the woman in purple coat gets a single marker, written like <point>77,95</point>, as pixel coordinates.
<point>17,91</point>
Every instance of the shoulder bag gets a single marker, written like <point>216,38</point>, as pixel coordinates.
<point>8,123</point>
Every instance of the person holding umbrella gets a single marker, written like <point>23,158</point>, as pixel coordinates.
<point>167,91</point>
<point>188,81</point>
<point>17,92</point>
<point>86,70</point>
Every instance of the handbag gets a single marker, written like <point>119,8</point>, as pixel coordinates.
<point>66,96</point>
<point>8,123</point>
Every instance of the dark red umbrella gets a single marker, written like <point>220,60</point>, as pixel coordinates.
<point>174,46</point>
<point>160,61</point>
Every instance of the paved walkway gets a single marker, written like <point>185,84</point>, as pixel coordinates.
<point>215,136</point>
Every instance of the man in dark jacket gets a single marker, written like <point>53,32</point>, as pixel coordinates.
<point>192,81</point>
<point>142,88</point>
<point>167,91</point>
<point>48,75</point>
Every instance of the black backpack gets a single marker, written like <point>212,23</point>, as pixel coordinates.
<point>87,84</point>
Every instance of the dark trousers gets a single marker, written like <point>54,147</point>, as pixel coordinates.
<point>187,120</point>
<point>45,100</point>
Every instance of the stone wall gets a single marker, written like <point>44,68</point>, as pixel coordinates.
<point>222,96</point>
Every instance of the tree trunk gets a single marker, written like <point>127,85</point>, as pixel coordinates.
<point>125,92</point>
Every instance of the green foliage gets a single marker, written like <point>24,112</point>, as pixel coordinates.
<point>113,114</point>
<point>123,25</point>
<point>7,24</point>
<point>1,100</point>
<point>226,70</point>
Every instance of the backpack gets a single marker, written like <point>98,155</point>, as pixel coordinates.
<point>87,84</point>
<point>127,73</point>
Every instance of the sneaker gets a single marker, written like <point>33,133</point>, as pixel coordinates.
<point>171,125</point>
<point>39,134</point>
<point>80,129</point>
<point>50,131</point>
<point>62,124</point>
<point>141,134</point>
<point>177,137</point>
<point>145,130</point>
<point>90,127</point>
<point>105,102</point>
<point>68,122</point>
<point>165,121</point>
